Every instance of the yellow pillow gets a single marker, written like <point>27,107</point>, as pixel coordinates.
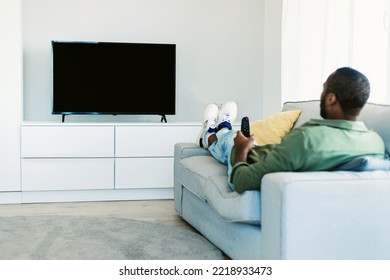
<point>272,129</point>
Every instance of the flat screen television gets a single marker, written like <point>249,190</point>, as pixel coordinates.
<point>114,78</point>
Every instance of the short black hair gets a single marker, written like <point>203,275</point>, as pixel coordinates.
<point>351,88</point>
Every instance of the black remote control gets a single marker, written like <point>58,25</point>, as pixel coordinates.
<point>245,126</point>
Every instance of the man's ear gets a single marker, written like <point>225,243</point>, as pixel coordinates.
<point>331,98</point>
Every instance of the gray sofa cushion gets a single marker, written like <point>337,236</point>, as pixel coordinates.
<point>376,117</point>
<point>207,178</point>
<point>234,207</point>
<point>183,150</point>
<point>310,110</point>
<point>193,172</point>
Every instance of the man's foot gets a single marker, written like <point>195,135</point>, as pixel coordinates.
<point>227,115</point>
<point>209,124</point>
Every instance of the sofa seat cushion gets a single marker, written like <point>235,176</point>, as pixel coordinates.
<point>207,178</point>
<point>232,206</point>
<point>193,172</point>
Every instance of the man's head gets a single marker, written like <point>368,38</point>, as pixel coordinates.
<point>345,93</point>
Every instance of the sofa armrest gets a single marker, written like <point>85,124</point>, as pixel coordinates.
<point>326,215</point>
<point>184,150</point>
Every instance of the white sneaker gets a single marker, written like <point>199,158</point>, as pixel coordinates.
<point>209,124</point>
<point>227,115</point>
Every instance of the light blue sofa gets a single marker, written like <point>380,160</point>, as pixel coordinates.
<point>309,215</point>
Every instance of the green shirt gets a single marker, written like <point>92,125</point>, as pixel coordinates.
<point>316,145</point>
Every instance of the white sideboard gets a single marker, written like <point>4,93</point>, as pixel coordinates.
<point>102,161</point>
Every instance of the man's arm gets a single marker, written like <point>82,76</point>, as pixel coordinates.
<point>289,155</point>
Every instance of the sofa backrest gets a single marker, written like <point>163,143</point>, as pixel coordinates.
<point>375,116</point>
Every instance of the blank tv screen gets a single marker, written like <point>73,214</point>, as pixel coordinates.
<point>113,78</point>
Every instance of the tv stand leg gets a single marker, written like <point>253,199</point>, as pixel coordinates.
<point>163,118</point>
<point>63,118</point>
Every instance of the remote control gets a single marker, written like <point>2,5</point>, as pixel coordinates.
<point>245,126</point>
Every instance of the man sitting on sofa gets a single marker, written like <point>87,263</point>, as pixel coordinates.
<point>316,145</point>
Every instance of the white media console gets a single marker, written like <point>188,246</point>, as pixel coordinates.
<point>102,161</point>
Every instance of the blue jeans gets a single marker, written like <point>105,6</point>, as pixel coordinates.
<point>221,150</point>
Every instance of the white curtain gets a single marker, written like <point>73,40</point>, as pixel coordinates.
<point>319,36</point>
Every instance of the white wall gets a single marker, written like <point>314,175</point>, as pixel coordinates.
<point>10,94</point>
<point>220,47</point>
<point>272,82</point>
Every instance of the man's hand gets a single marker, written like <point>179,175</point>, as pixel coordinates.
<point>242,146</point>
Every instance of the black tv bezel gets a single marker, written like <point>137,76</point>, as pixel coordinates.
<point>161,113</point>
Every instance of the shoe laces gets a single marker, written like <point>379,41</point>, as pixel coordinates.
<point>213,122</point>
<point>226,117</point>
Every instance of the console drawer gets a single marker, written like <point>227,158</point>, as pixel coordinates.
<point>67,141</point>
<point>154,141</point>
<point>143,173</point>
<point>67,174</point>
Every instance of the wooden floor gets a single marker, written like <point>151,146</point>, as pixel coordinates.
<point>156,211</point>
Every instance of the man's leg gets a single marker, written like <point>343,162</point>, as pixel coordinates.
<point>215,135</point>
<point>209,125</point>
<point>221,150</point>
<point>222,142</point>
